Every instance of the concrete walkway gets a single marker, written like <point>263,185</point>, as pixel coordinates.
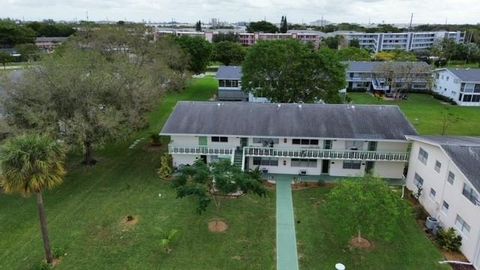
<point>286,240</point>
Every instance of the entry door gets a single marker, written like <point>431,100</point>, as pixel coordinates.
<point>325,166</point>
<point>202,140</point>
<point>369,166</point>
<point>243,142</point>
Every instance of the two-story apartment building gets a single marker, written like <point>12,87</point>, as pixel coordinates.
<point>447,170</point>
<point>230,86</point>
<point>298,139</point>
<point>462,85</point>
<point>371,76</point>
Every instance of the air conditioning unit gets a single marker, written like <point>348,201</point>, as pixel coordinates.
<point>303,172</point>
<point>264,170</point>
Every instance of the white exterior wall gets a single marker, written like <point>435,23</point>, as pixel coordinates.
<point>452,194</point>
<point>383,169</point>
<point>178,159</point>
<point>447,84</point>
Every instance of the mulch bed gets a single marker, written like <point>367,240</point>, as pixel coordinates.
<point>361,243</point>
<point>217,226</point>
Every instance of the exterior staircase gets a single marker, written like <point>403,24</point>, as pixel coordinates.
<point>237,158</point>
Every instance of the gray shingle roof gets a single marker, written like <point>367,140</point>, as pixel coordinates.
<point>469,75</point>
<point>366,66</point>
<point>289,120</point>
<point>229,73</point>
<point>463,151</point>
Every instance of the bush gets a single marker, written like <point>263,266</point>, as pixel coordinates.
<point>165,170</point>
<point>155,139</point>
<point>58,252</point>
<point>449,239</point>
<point>44,266</point>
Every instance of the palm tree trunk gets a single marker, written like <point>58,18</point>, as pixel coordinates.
<point>43,227</point>
<point>88,158</point>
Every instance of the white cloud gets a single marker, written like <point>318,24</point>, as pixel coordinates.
<point>389,11</point>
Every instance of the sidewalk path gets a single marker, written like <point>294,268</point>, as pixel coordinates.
<point>286,240</point>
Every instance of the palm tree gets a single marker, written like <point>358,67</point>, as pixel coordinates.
<point>29,165</point>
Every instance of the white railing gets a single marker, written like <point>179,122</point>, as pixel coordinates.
<point>200,150</point>
<point>326,154</point>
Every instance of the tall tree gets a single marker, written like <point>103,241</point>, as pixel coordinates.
<point>262,26</point>
<point>230,36</point>
<point>354,43</point>
<point>89,97</point>
<point>31,164</point>
<point>29,52</point>
<point>198,26</point>
<point>200,52</point>
<point>288,71</point>
<point>284,25</point>
<point>400,76</point>
<point>446,49</point>
<point>229,53</point>
<point>366,207</point>
<point>208,182</point>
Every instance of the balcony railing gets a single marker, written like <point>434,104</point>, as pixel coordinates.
<point>200,150</point>
<point>326,154</point>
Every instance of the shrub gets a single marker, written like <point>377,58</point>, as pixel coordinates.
<point>58,252</point>
<point>165,170</point>
<point>155,139</point>
<point>44,266</point>
<point>443,98</point>
<point>167,239</point>
<point>449,239</point>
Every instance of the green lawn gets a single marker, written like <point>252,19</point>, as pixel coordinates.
<point>427,114</point>
<point>319,247</point>
<point>85,216</point>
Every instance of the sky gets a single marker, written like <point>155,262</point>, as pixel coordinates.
<point>297,11</point>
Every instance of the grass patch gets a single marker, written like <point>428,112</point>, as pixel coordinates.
<point>426,114</point>
<point>86,215</point>
<point>319,247</point>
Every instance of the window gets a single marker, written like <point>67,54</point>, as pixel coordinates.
<point>476,98</point>
<point>451,178</point>
<point>433,193</point>
<point>438,166</point>
<point>305,142</point>
<point>471,194</point>
<point>423,156</point>
<point>265,161</point>
<point>467,98</point>
<point>418,180</point>
<point>352,164</point>
<point>445,207</point>
<point>311,163</point>
<point>353,145</point>
<point>219,139</point>
<point>462,225</point>
<point>266,141</point>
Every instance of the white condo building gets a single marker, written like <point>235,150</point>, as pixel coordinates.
<point>462,85</point>
<point>447,171</point>
<point>298,139</point>
<point>408,41</point>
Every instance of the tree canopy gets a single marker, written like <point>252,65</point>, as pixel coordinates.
<point>229,53</point>
<point>354,54</point>
<point>199,50</point>
<point>395,55</point>
<point>12,34</point>
<point>90,96</point>
<point>283,25</point>
<point>366,207</point>
<point>205,182</point>
<point>289,71</point>
<point>262,26</point>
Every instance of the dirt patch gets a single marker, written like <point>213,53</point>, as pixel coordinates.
<point>361,243</point>
<point>454,256</point>
<point>56,262</point>
<point>269,185</point>
<point>129,222</point>
<point>217,226</point>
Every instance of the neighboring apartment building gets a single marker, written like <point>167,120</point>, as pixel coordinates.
<point>298,139</point>
<point>48,44</point>
<point>408,41</point>
<point>230,86</point>
<point>370,76</point>
<point>462,85</point>
<point>447,170</point>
